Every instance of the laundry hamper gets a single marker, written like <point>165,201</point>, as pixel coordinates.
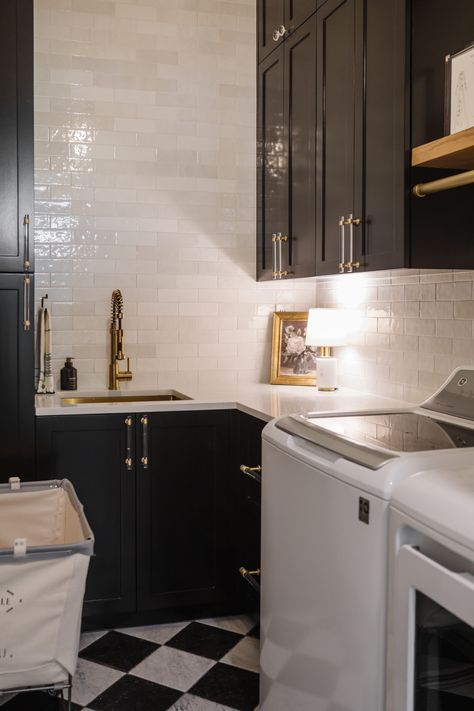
<point>45,547</point>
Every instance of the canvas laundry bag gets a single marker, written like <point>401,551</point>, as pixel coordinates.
<point>45,548</point>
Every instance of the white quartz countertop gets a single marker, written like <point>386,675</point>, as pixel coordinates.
<point>260,400</point>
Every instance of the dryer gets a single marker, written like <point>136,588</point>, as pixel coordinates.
<point>430,660</point>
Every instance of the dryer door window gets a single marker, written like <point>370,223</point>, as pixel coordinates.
<point>444,659</point>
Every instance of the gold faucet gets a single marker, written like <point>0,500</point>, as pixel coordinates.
<point>116,344</point>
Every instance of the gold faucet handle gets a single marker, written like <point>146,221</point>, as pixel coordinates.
<point>123,374</point>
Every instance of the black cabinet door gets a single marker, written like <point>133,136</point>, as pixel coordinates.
<point>382,237</point>
<point>16,134</point>
<point>249,507</point>
<point>91,450</point>
<point>184,527</point>
<point>270,26</point>
<point>272,164</point>
<point>286,158</point>
<point>16,377</point>
<point>299,252</point>
<point>339,109</point>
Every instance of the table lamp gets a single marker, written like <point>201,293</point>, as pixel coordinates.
<point>327,328</point>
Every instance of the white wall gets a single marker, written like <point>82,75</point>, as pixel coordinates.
<point>145,181</point>
<point>418,328</point>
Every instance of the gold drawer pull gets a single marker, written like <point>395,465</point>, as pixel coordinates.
<point>253,472</point>
<point>248,575</point>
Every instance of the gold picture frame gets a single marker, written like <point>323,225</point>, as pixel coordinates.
<point>293,362</point>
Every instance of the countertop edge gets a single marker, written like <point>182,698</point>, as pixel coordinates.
<point>262,401</point>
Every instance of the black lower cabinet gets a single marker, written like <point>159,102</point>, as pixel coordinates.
<point>158,493</point>
<point>90,450</point>
<point>248,471</point>
<point>17,414</point>
<point>184,532</point>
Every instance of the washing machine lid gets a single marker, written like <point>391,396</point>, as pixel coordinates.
<point>441,499</point>
<point>374,439</point>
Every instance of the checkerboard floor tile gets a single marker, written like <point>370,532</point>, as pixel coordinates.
<point>204,665</point>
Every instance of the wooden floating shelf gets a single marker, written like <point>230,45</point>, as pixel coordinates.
<point>455,152</point>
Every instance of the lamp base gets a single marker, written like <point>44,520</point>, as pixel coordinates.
<point>326,373</point>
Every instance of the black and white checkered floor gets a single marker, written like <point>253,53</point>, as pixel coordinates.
<point>208,665</point>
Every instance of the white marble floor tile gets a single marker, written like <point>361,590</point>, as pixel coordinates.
<point>237,623</point>
<point>156,633</point>
<point>90,680</point>
<point>245,654</point>
<point>172,667</point>
<point>188,702</point>
<point>88,637</point>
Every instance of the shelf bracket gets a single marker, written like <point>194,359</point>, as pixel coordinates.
<point>436,186</point>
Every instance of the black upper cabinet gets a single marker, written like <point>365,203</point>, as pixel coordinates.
<point>339,32</point>
<point>362,156</point>
<point>16,377</point>
<point>16,135</point>
<point>385,149</point>
<point>91,450</point>
<point>271,162</point>
<point>183,508</point>
<point>277,19</point>
<point>286,157</point>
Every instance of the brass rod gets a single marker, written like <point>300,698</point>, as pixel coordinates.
<point>436,186</point>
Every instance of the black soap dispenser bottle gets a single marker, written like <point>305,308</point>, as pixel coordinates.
<point>68,376</point>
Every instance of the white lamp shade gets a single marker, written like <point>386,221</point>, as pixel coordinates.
<point>329,327</point>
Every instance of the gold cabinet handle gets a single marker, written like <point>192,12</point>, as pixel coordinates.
<point>26,237</point>
<point>253,472</point>
<point>342,236</point>
<point>26,302</point>
<point>249,576</point>
<point>350,265</point>
<point>144,458</point>
<point>128,444</point>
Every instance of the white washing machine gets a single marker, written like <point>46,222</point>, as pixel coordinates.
<point>326,487</point>
<point>431,593</point>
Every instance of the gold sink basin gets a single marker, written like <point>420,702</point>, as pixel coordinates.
<point>163,396</point>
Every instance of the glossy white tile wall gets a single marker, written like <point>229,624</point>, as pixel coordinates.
<point>418,327</point>
<point>145,181</point>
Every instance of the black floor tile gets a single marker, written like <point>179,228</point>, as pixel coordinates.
<point>36,701</point>
<point>254,632</point>
<point>133,694</point>
<point>119,651</point>
<point>229,686</point>
<point>204,640</point>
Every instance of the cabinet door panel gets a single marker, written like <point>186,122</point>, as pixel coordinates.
<point>300,101</point>
<point>90,451</point>
<point>297,11</point>
<point>270,18</point>
<point>16,380</point>
<point>16,131</point>
<point>247,523</point>
<point>337,77</point>
<point>183,531</point>
<point>272,159</point>
<point>386,156</point>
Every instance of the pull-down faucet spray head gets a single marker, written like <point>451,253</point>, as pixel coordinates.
<point>116,343</point>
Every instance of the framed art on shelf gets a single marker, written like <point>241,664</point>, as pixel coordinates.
<point>459,96</point>
<point>293,362</point>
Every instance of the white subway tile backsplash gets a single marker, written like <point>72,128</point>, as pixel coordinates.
<point>422,338</point>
